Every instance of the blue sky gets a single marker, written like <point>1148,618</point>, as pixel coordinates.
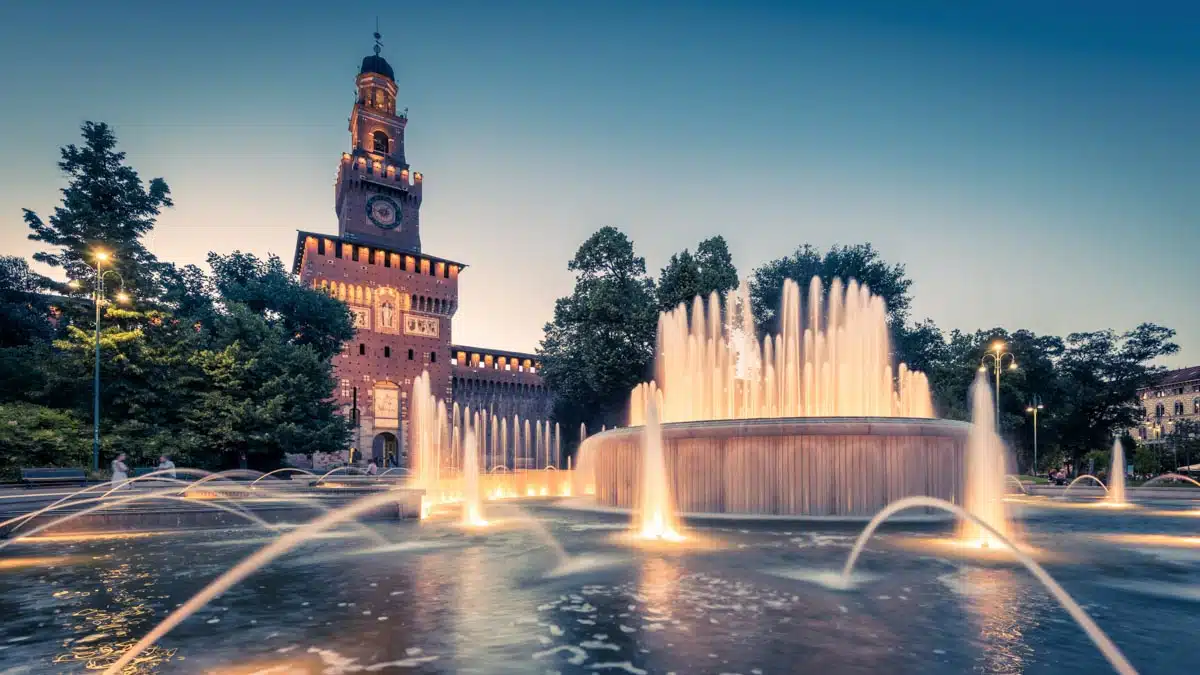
<point>1033,164</point>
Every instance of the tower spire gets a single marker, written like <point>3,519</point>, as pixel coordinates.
<point>378,37</point>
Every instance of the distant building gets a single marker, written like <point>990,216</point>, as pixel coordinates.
<point>1174,397</point>
<point>402,299</point>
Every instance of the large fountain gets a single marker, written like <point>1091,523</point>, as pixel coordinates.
<point>813,421</point>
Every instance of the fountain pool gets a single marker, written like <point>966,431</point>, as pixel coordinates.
<point>438,601</point>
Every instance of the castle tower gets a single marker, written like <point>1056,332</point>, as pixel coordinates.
<point>377,198</point>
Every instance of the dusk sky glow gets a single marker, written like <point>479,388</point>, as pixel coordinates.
<point>1033,168</point>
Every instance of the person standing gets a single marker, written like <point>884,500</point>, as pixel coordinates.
<point>165,464</point>
<point>120,471</point>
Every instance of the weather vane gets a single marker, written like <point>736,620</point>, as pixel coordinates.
<point>378,44</point>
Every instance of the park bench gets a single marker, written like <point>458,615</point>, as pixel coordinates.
<point>52,476</point>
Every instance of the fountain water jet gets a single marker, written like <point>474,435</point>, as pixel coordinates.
<point>1098,636</point>
<point>986,472</point>
<point>1116,476</point>
<point>472,509</point>
<point>656,512</point>
<point>1172,476</point>
<point>1086,476</point>
<point>833,362</point>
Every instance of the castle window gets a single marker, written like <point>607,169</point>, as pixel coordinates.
<point>362,349</point>
<point>380,141</point>
<point>387,352</point>
<point>345,388</point>
<point>321,246</point>
<point>387,260</point>
<point>1178,407</point>
<point>410,355</point>
<point>433,357</point>
<point>354,253</point>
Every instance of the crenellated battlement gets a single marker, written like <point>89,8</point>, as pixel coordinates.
<point>363,167</point>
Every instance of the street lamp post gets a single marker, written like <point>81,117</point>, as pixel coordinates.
<point>99,275</point>
<point>996,353</point>
<point>1034,407</point>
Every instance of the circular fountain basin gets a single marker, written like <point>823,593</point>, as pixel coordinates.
<point>803,467</point>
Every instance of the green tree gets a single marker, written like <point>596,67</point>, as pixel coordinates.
<point>1146,461</point>
<point>861,262</point>
<point>24,310</point>
<point>601,341</point>
<point>687,276</point>
<point>104,205</point>
<point>1100,373</point>
<point>36,436</point>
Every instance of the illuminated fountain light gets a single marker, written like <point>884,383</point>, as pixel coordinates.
<point>833,362</point>
<point>472,509</point>
<point>985,485</point>
<point>656,517</point>
<point>1116,476</point>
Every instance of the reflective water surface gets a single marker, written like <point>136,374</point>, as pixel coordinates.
<point>445,600</point>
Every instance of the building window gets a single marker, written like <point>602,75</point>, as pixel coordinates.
<point>345,388</point>
<point>433,357</point>
<point>1196,406</point>
<point>362,349</point>
<point>1178,407</point>
<point>387,352</point>
<point>1142,432</point>
<point>1159,411</point>
<point>380,141</point>
<point>410,355</point>
<point>321,247</point>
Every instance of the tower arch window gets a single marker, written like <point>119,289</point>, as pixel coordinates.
<point>380,142</point>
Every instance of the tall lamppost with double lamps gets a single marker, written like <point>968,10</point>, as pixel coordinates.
<point>1035,406</point>
<point>98,275</point>
<point>996,353</point>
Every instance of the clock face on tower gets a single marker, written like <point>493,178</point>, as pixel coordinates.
<point>384,212</point>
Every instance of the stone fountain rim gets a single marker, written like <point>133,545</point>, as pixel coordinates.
<point>803,426</point>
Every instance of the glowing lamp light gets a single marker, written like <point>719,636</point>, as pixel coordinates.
<point>1030,409</point>
<point>1012,366</point>
<point>983,369</point>
<point>101,255</point>
<point>73,284</point>
<point>122,297</point>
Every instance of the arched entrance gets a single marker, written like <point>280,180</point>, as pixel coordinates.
<point>385,448</point>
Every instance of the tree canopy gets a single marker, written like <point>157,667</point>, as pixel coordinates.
<point>601,340</point>
<point>105,206</point>
<point>686,276</point>
<point>861,262</point>
<point>216,369</point>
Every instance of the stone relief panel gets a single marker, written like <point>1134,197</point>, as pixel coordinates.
<point>387,404</point>
<point>361,316</point>
<point>423,326</point>
<point>387,311</point>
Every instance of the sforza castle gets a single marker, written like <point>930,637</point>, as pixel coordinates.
<point>402,299</point>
